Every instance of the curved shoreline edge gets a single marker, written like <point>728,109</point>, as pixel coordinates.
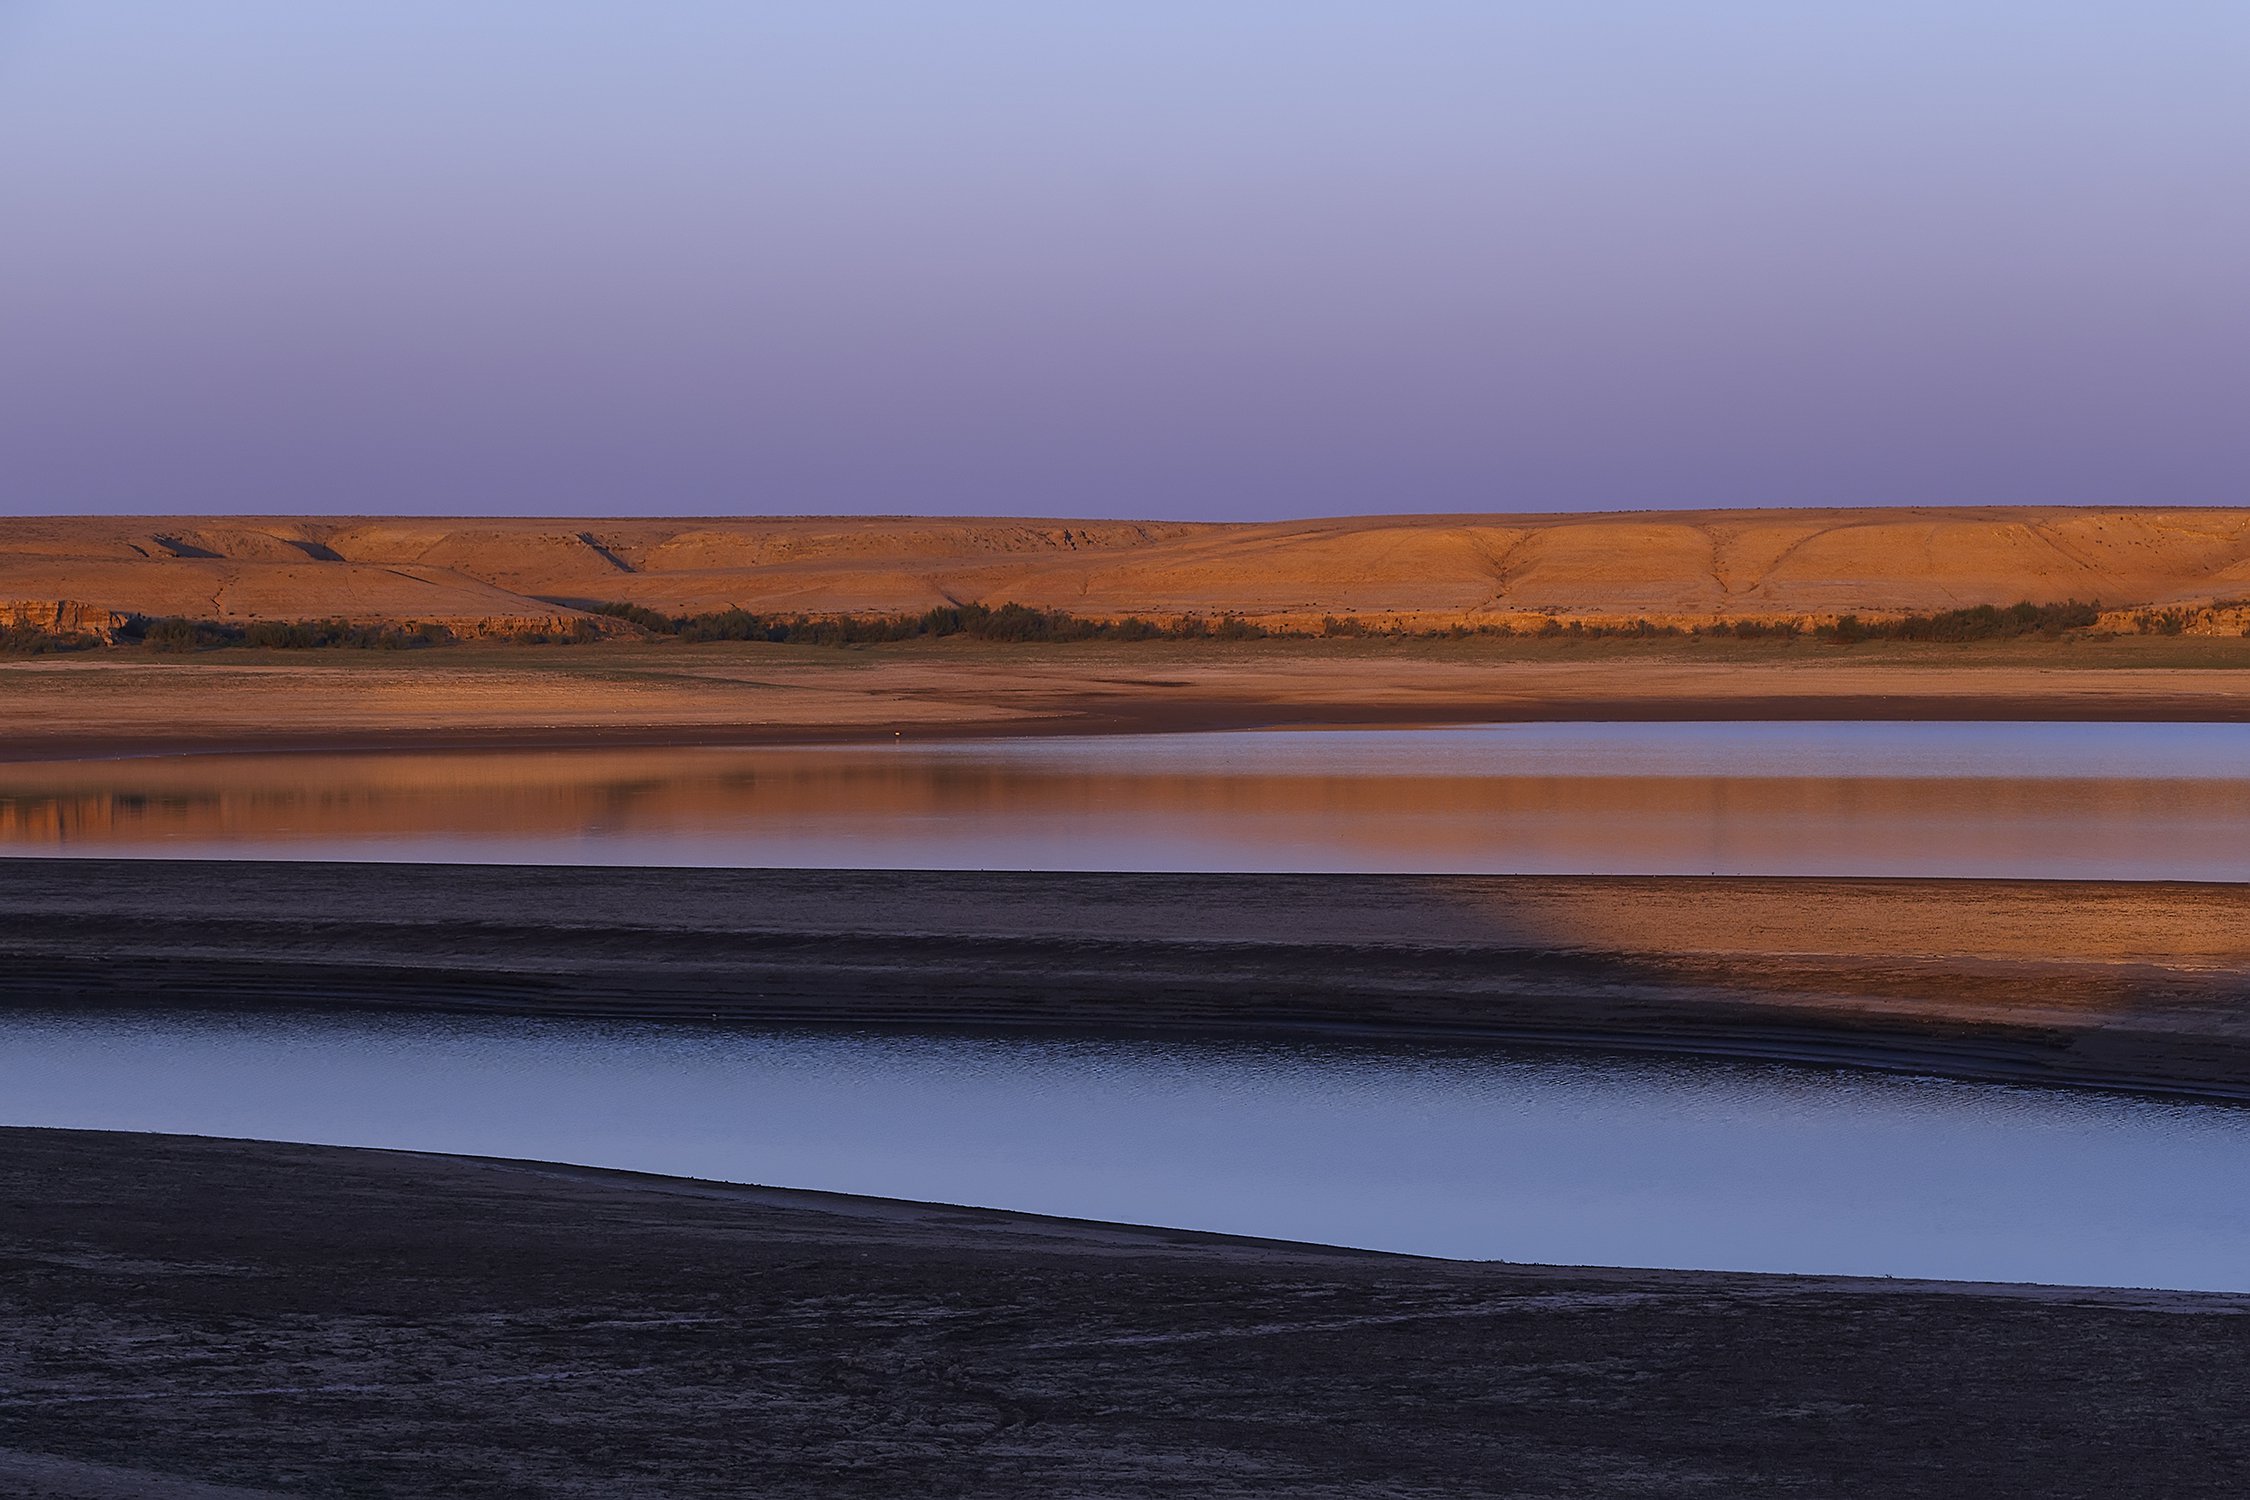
<point>1062,720</point>
<point>2112,985</point>
<point>1034,1230</point>
<point>184,1312</point>
<point>621,696</point>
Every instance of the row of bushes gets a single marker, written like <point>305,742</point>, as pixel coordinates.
<point>173,633</point>
<point>1982,622</point>
<point>1021,623</point>
<point>1008,623</point>
<point>30,640</point>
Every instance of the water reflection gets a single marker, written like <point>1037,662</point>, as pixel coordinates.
<point>2092,800</point>
<point>1722,1166</point>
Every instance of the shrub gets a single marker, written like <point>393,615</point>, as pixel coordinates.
<point>30,640</point>
<point>315,635</point>
<point>636,614</point>
<point>173,633</point>
<point>1981,622</point>
<point>1010,623</point>
<point>576,633</point>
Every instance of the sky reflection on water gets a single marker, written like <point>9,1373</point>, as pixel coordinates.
<point>1563,1160</point>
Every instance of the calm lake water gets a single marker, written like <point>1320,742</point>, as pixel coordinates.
<point>2122,801</point>
<point>1570,1161</point>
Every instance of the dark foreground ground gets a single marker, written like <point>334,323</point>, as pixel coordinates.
<point>190,1319</point>
<point>2141,985</point>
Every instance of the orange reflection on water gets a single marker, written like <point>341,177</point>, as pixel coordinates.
<point>960,808</point>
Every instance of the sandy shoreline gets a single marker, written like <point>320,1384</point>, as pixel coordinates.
<point>2176,708</point>
<point>2111,985</point>
<point>188,1318</point>
<point>625,695</point>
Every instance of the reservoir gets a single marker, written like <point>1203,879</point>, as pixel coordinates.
<point>1430,1150</point>
<point>1997,800</point>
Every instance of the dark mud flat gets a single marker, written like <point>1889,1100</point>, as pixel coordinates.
<point>181,1313</point>
<point>2110,984</point>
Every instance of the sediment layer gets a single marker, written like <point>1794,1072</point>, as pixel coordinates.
<point>2142,986</point>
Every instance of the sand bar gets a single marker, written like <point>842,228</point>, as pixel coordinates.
<point>625,694</point>
<point>2127,985</point>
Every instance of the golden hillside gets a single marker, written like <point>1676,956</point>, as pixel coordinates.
<point>1670,567</point>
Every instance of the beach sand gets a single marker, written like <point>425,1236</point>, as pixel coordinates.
<point>631,694</point>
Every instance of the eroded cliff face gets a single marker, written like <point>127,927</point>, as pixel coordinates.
<point>2221,617</point>
<point>2150,568</point>
<point>62,617</point>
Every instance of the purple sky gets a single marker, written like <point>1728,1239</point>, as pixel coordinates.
<point>1220,259</point>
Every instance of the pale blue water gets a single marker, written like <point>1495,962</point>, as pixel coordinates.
<point>1858,748</point>
<point>1574,1161</point>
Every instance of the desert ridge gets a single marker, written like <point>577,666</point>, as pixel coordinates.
<point>1680,568</point>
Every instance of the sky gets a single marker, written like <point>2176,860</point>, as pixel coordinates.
<point>1209,259</point>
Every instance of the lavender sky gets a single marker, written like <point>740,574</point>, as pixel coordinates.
<point>1181,258</point>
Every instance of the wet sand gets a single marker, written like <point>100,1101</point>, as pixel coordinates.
<point>2143,986</point>
<point>625,694</point>
<point>191,1318</point>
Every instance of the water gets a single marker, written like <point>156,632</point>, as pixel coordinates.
<point>1660,1163</point>
<point>1473,1154</point>
<point>2116,801</point>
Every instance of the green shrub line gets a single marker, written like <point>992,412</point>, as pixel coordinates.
<point>1017,622</point>
<point>30,640</point>
<point>174,633</point>
<point>1021,623</point>
<point>1982,622</point>
<point>1009,622</point>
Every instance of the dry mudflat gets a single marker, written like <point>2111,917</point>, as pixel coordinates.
<point>195,1319</point>
<point>622,693</point>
